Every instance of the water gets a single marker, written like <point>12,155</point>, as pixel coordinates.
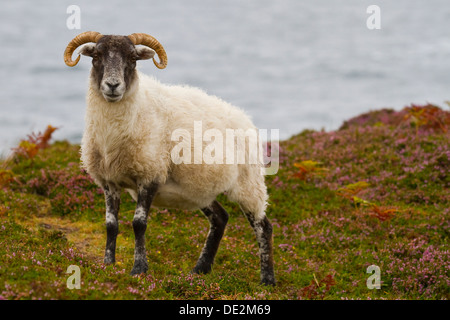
<point>290,64</point>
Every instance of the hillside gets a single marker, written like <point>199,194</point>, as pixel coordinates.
<point>374,192</point>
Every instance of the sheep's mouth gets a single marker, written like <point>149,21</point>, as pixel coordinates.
<point>112,97</point>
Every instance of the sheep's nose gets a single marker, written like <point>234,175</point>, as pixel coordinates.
<point>112,86</point>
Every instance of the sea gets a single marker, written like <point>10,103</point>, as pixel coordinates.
<point>290,64</point>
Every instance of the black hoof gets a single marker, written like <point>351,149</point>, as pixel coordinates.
<point>268,281</point>
<point>139,268</point>
<point>109,260</point>
<point>201,269</point>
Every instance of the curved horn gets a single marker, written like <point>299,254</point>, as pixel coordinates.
<point>82,38</point>
<point>149,41</point>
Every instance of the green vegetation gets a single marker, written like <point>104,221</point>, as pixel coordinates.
<point>374,192</point>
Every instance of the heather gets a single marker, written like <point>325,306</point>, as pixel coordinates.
<point>373,192</point>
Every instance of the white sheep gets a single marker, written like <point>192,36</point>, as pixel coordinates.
<point>127,144</point>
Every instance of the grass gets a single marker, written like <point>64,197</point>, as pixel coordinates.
<point>374,192</point>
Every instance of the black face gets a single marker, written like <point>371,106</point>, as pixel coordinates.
<point>114,64</point>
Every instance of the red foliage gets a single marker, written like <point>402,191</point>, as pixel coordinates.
<point>428,116</point>
<point>30,147</point>
<point>318,289</point>
<point>383,214</point>
<point>41,139</point>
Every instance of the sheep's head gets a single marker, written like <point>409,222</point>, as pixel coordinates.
<point>114,59</point>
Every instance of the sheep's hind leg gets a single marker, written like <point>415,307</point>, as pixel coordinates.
<point>218,219</point>
<point>145,198</point>
<point>263,231</point>
<point>112,201</point>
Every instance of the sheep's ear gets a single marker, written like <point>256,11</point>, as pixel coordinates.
<point>87,49</point>
<point>145,53</point>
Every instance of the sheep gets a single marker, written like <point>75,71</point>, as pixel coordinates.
<point>127,143</point>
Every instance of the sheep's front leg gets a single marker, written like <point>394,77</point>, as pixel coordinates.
<point>112,201</point>
<point>144,201</point>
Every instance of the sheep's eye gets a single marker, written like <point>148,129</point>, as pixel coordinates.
<point>133,59</point>
<point>95,56</point>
